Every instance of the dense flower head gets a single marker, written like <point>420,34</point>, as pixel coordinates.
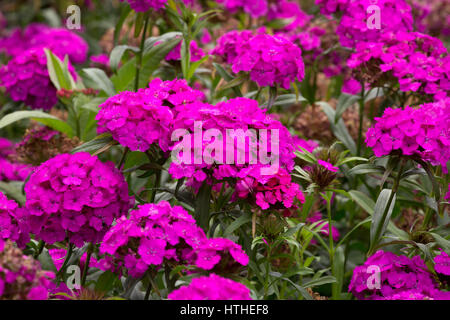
<point>145,5</point>
<point>255,8</point>
<point>419,62</point>
<point>220,254</point>
<point>270,60</point>
<point>11,170</point>
<point>12,225</point>
<point>228,44</point>
<point>395,15</point>
<point>328,7</point>
<point>236,124</point>
<point>288,10</point>
<point>26,79</point>
<point>431,16</point>
<point>75,197</point>
<point>62,42</point>
<point>397,274</point>
<point>212,287</point>
<point>278,191</point>
<point>423,132</point>
<point>151,235</point>
<point>21,277</point>
<point>138,119</point>
<point>59,40</point>
<point>442,263</point>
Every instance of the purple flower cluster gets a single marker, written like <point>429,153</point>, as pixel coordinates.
<point>21,277</point>
<point>75,197</point>
<point>328,7</point>
<point>212,287</point>
<point>423,132</point>
<point>419,62</point>
<point>138,119</point>
<point>395,16</point>
<point>235,114</point>
<point>255,8</point>
<point>155,234</point>
<point>145,5</point>
<point>11,171</point>
<point>59,40</point>
<point>26,79</point>
<point>273,191</point>
<point>228,44</point>
<point>270,60</point>
<point>442,263</point>
<point>220,250</point>
<point>288,10</point>
<point>12,224</point>
<point>398,274</point>
<point>431,16</point>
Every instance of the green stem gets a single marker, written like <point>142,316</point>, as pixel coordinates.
<point>86,264</point>
<point>139,56</point>
<point>66,261</point>
<point>361,120</point>
<point>39,249</point>
<point>156,186</point>
<point>122,159</point>
<point>331,242</point>
<point>388,205</point>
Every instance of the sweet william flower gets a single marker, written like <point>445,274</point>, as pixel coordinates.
<point>442,263</point>
<point>64,201</point>
<point>212,287</point>
<point>145,5</point>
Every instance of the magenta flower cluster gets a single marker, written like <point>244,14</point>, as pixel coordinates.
<point>238,113</point>
<point>21,277</point>
<point>255,8</point>
<point>270,192</point>
<point>138,119</point>
<point>395,16</point>
<point>145,5</point>
<point>214,251</point>
<point>419,62</point>
<point>398,274</point>
<point>9,170</point>
<point>155,234</point>
<point>212,287</point>
<point>26,79</point>
<point>442,263</point>
<point>75,197</point>
<point>60,41</point>
<point>270,60</point>
<point>12,224</point>
<point>422,132</point>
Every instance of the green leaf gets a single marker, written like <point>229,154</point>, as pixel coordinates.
<point>106,281</point>
<point>246,217</point>
<point>202,206</point>
<point>42,117</point>
<point>116,55</point>
<point>344,102</point>
<point>61,79</point>
<point>13,189</point>
<point>381,215</point>
<point>366,168</point>
<point>100,80</point>
<point>319,282</point>
<point>124,79</point>
<point>95,144</point>
<point>126,9</point>
<point>339,129</point>
<point>363,201</point>
<point>194,66</point>
<point>444,243</point>
<point>338,272</point>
